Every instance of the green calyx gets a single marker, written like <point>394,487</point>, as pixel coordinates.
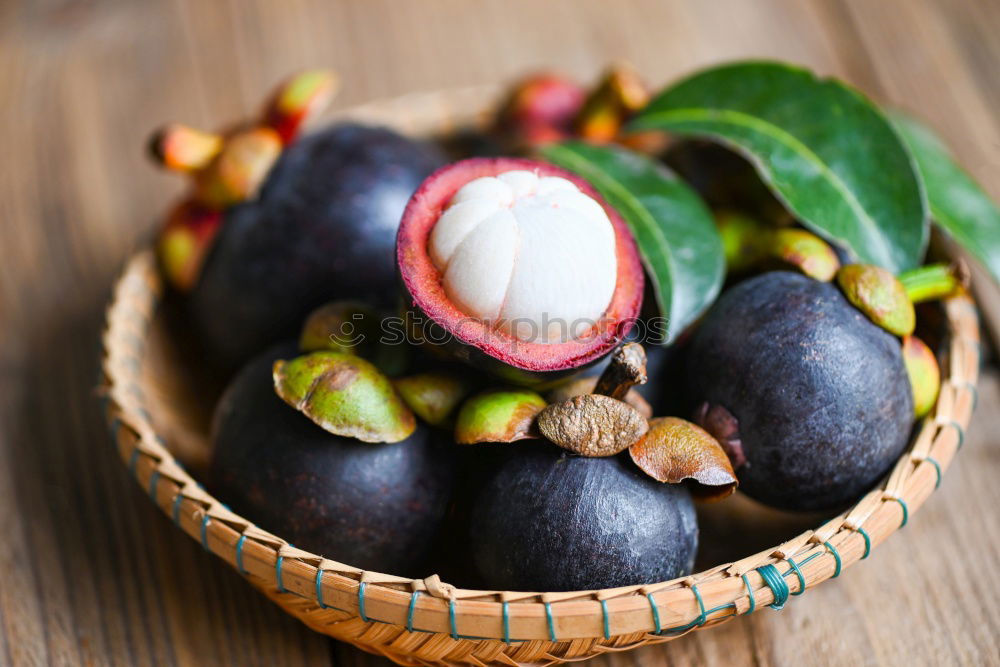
<point>805,251</point>
<point>432,396</point>
<point>878,294</point>
<point>352,328</point>
<point>933,282</point>
<point>743,240</point>
<point>750,244</point>
<point>498,415</point>
<point>924,373</point>
<point>345,395</point>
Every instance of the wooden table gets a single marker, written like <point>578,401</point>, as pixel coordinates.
<point>91,573</point>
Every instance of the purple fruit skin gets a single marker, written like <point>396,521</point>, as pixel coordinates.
<point>374,506</point>
<point>323,228</point>
<point>820,393</point>
<point>550,521</point>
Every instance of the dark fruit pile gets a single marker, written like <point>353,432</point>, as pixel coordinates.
<point>631,529</point>
<point>322,227</point>
<point>377,505</point>
<point>276,225</point>
<point>810,397</point>
<point>498,358</point>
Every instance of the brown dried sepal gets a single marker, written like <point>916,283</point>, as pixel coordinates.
<point>592,425</point>
<point>675,450</point>
<point>582,386</point>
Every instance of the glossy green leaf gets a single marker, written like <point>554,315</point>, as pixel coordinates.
<point>958,204</point>
<point>677,237</point>
<point>826,151</point>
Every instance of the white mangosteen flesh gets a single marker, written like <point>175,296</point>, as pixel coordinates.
<point>531,256</point>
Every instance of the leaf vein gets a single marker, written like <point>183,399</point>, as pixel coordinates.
<point>741,119</point>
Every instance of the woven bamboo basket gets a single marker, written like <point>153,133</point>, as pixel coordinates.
<point>158,408</point>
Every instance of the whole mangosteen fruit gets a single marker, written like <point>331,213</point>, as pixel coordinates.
<point>540,109</point>
<point>549,521</point>
<point>323,227</point>
<point>808,396</point>
<point>518,267</point>
<point>374,506</point>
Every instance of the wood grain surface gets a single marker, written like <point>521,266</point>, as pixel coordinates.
<point>91,573</point>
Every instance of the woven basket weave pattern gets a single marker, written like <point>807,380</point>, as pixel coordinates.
<point>428,622</point>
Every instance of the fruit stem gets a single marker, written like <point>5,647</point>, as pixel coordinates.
<point>627,369</point>
<point>934,281</point>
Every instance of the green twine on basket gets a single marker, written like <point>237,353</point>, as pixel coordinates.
<point>906,510</point>
<point>868,542</point>
<point>798,573</point>
<point>607,624</point>
<point>773,579</point>
<point>412,608</point>
<point>656,614</point>
<point>239,554</point>
<point>205,520</point>
<point>937,469</point>
<point>451,619</point>
<point>701,606</point>
<point>319,588</point>
<point>361,601</point>
<point>277,568</point>
<point>753,601</point>
<point>836,557</point>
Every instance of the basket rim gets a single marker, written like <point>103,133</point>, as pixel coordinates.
<point>620,617</point>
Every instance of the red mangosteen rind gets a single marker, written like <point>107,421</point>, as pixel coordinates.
<point>475,342</point>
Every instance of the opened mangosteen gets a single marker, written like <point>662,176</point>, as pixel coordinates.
<point>375,505</point>
<point>518,267</point>
<point>810,398</point>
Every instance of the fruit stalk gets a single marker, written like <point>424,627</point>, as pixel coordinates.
<point>934,281</point>
<point>627,369</point>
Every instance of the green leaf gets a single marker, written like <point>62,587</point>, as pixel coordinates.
<point>676,234</point>
<point>958,205</point>
<point>826,151</point>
